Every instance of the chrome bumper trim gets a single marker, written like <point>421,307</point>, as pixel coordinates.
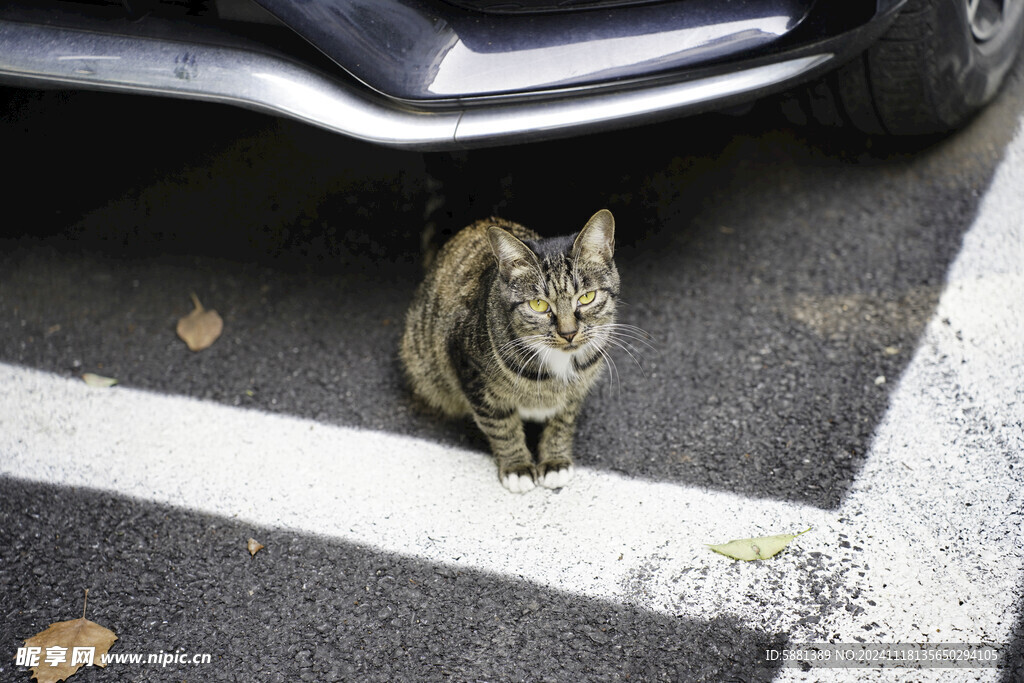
<point>33,53</point>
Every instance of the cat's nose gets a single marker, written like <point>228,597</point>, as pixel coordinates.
<point>568,336</point>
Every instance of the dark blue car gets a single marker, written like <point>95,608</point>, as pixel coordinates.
<point>446,74</point>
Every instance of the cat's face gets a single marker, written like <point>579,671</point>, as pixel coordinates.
<point>561,292</point>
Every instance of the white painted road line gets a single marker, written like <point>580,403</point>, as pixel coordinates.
<point>389,492</point>
<point>939,506</point>
<point>928,546</point>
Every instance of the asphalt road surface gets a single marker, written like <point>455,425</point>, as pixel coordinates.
<point>836,343</point>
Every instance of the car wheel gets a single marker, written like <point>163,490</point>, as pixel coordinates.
<point>938,64</point>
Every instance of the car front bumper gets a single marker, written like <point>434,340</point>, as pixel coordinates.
<point>203,63</point>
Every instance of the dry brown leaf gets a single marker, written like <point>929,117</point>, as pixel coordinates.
<point>94,380</point>
<point>200,328</point>
<point>57,645</point>
<point>254,546</point>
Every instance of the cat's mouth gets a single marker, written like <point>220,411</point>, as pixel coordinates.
<point>571,347</point>
<point>575,345</point>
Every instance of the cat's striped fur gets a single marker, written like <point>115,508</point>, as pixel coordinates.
<point>475,345</point>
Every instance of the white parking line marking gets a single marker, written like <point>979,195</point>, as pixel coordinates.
<point>389,492</point>
<point>938,509</point>
<point>926,547</point>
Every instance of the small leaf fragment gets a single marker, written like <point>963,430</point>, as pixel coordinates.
<point>760,548</point>
<point>94,380</point>
<point>200,328</point>
<point>254,546</point>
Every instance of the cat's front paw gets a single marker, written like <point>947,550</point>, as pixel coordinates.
<point>554,475</point>
<point>518,479</point>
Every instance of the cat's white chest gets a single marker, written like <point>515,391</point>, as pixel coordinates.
<point>559,364</point>
<point>537,414</point>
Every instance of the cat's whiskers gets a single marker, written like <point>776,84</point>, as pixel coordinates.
<point>520,342</point>
<point>568,373</point>
<point>520,351</point>
<point>624,336</point>
<point>630,351</point>
<point>627,333</point>
<point>631,332</point>
<point>613,371</point>
<point>523,351</point>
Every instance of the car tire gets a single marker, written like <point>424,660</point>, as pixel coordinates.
<point>935,67</point>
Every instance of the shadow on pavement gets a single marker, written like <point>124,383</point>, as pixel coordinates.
<point>305,608</point>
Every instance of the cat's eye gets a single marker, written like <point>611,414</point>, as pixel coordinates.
<point>587,298</point>
<point>539,305</point>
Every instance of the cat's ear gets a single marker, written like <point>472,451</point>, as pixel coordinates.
<point>596,241</point>
<point>514,258</point>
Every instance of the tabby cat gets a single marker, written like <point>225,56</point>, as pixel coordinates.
<point>508,326</point>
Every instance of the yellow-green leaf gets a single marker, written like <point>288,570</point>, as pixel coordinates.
<point>760,548</point>
<point>94,380</point>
